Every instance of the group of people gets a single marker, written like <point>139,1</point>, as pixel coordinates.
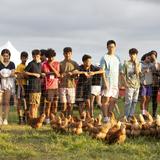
<point>44,82</point>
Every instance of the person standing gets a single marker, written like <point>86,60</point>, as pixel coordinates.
<point>67,81</point>
<point>51,68</point>
<point>33,71</point>
<point>111,65</point>
<point>131,77</point>
<point>83,96</point>
<point>155,84</point>
<point>22,95</point>
<point>7,73</point>
<point>43,93</point>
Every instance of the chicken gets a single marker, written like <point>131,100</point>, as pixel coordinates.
<point>112,130</point>
<point>135,127</point>
<point>149,127</point>
<point>113,120</point>
<point>83,116</point>
<point>63,127</point>
<point>55,122</point>
<point>98,121</point>
<point>118,136</point>
<point>158,125</point>
<point>103,130</point>
<point>37,122</point>
<point>87,123</point>
<point>77,129</point>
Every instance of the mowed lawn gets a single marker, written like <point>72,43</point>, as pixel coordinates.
<point>23,142</point>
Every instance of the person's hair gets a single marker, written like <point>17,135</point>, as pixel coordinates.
<point>144,56</point>
<point>51,53</point>
<point>153,52</point>
<point>111,42</point>
<point>43,52</point>
<point>86,57</point>
<point>67,49</point>
<point>36,52</point>
<point>4,51</point>
<point>24,54</point>
<point>133,51</point>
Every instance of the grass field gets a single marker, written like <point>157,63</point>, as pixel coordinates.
<point>22,142</point>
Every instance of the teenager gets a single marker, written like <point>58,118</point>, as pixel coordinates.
<point>87,72</point>
<point>21,87</point>
<point>131,76</point>
<point>111,65</point>
<point>51,68</point>
<point>7,73</point>
<point>33,71</point>
<point>67,83</point>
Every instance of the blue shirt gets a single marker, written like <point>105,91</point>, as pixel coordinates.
<point>111,65</point>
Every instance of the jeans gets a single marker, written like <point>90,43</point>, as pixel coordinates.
<point>131,98</point>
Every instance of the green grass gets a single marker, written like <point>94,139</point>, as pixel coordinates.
<point>23,142</point>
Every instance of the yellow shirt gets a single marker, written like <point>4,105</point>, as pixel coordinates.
<point>20,68</point>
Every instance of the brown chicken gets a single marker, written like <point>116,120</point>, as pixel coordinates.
<point>158,125</point>
<point>118,136</point>
<point>56,122</point>
<point>98,121</point>
<point>148,128</point>
<point>103,130</point>
<point>37,122</point>
<point>135,127</point>
<point>77,128</point>
<point>113,120</point>
<point>63,126</point>
<point>112,130</point>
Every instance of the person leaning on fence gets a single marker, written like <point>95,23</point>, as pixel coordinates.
<point>146,82</point>
<point>155,85</point>
<point>21,88</point>
<point>96,88</point>
<point>131,76</point>
<point>33,71</point>
<point>83,93</point>
<point>67,81</point>
<point>43,85</point>
<point>7,73</point>
<point>51,68</point>
<point>111,65</point>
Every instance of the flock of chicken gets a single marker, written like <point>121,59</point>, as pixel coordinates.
<point>112,132</point>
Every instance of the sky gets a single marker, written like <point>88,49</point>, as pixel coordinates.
<point>84,25</point>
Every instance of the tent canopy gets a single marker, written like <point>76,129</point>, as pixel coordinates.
<point>15,54</point>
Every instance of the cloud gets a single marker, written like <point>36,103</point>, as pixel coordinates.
<point>84,25</point>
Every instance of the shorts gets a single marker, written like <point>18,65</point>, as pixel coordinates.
<point>83,93</point>
<point>19,92</point>
<point>96,90</point>
<point>146,90</point>
<point>51,95</point>
<point>34,98</point>
<point>111,92</point>
<point>67,95</point>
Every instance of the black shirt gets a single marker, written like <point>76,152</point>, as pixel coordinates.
<point>34,82</point>
<point>10,66</point>
<point>83,80</point>
<point>96,79</point>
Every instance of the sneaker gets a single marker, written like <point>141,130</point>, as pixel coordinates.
<point>47,121</point>
<point>106,119</point>
<point>1,121</point>
<point>5,122</point>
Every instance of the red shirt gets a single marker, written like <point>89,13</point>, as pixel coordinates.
<point>51,81</point>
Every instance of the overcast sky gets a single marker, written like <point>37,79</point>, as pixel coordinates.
<point>85,25</point>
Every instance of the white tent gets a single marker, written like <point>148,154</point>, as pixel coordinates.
<point>15,54</point>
